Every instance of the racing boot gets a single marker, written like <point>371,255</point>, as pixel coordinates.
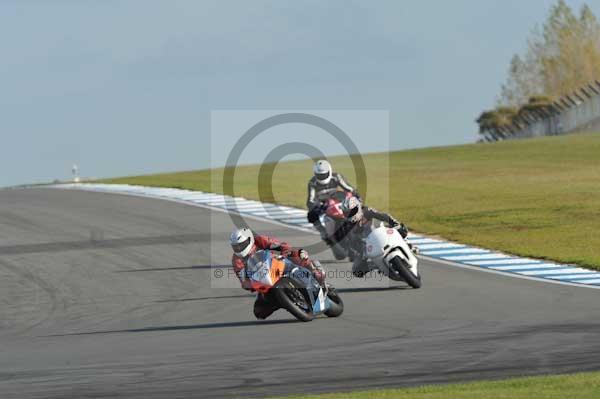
<point>353,254</point>
<point>323,232</point>
<point>360,267</point>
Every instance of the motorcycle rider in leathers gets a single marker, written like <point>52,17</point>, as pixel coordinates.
<point>358,224</point>
<point>320,187</point>
<point>245,243</point>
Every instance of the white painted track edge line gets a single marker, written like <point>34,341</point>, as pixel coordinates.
<point>509,274</point>
<point>518,268</point>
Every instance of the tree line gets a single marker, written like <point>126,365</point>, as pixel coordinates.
<point>561,56</point>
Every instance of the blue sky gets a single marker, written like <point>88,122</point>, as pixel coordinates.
<point>127,87</point>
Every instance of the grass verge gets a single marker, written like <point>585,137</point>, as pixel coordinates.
<point>580,386</point>
<point>537,197</point>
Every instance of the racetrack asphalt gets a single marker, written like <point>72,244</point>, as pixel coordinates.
<point>105,295</point>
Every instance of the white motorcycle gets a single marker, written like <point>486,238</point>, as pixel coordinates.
<point>388,252</point>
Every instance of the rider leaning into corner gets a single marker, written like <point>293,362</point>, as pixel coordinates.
<point>245,243</point>
<point>320,187</point>
<point>358,224</point>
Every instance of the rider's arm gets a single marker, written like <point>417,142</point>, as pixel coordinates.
<point>311,199</point>
<point>344,184</point>
<point>300,257</point>
<point>238,267</point>
<point>371,213</point>
<point>266,242</point>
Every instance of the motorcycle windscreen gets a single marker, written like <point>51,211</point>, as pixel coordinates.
<point>258,268</point>
<point>264,268</point>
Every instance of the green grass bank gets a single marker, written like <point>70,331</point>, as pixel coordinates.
<point>537,197</point>
<point>579,386</point>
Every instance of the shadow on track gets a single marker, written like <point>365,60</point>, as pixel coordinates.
<point>341,290</point>
<point>371,289</point>
<point>166,269</point>
<point>204,298</point>
<point>222,324</point>
<point>163,269</point>
<point>182,327</point>
<point>93,243</point>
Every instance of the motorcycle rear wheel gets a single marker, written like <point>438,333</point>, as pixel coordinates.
<point>290,295</point>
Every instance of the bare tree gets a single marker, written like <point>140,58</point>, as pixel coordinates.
<point>561,56</point>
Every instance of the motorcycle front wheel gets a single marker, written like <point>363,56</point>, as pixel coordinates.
<point>337,305</point>
<point>294,299</point>
<point>399,266</point>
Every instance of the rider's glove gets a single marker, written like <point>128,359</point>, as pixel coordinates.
<point>402,229</point>
<point>285,252</point>
<point>302,254</point>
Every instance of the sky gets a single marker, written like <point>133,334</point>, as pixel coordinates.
<point>128,87</point>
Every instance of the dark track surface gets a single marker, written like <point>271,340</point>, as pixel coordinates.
<point>110,296</point>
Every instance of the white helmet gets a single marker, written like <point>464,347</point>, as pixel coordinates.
<point>242,241</point>
<point>322,171</point>
<point>352,209</point>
